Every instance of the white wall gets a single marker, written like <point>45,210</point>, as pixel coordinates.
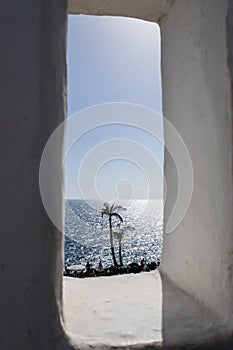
<point>32,37</point>
<point>197,100</point>
<point>150,10</point>
<point>198,255</point>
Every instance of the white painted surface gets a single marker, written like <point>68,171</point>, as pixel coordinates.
<point>198,255</point>
<point>128,310</point>
<point>32,66</point>
<point>118,310</point>
<point>197,100</point>
<point>150,10</point>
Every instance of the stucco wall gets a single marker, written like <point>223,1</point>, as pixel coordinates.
<point>32,89</point>
<point>150,10</point>
<point>198,255</point>
<point>197,100</point>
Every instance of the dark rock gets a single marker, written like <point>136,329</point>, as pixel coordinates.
<point>134,268</point>
<point>123,269</point>
<point>152,266</point>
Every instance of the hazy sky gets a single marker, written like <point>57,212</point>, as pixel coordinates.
<point>113,59</point>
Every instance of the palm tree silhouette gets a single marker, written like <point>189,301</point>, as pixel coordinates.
<point>119,235</point>
<point>111,211</point>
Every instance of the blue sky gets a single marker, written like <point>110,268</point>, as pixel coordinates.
<point>113,59</point>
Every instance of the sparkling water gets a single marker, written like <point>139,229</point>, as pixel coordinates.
<point>87,234</point>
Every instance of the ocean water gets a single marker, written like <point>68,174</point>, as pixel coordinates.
<point>87,234</point>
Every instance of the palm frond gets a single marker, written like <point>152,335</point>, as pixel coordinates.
<point>118,207</point>
<point>118,216</point>
<point>111,208</point>
<point>105,209</point>
<point>122,229</point>
<point>127,228</point>
<point>118,234</point>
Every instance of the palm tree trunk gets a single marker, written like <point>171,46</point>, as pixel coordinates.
<point>111,242</point>
<point>120,253</point>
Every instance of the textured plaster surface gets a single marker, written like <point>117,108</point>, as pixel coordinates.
<point>117,310</point>
<point>229,31</point>
<point>129,309</point>
<point>32,78</point>
<point>198,255</point>
<point>197,99</point>
<point>150,10</point>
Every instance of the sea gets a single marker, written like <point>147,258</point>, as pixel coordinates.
<point>87,233</point>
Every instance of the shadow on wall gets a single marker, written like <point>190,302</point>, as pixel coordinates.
<point>186,324</point>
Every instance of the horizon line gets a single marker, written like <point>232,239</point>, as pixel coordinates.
<point>125,199</point>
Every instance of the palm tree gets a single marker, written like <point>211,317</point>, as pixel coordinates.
<point>111,211</point>
<point>119,235</point>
